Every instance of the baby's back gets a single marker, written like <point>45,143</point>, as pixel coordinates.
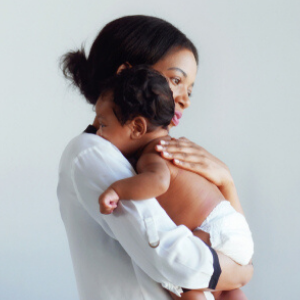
<point>190,197</point>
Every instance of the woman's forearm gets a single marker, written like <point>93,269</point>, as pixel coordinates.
<point>229,192</point>
<point>233,276</point>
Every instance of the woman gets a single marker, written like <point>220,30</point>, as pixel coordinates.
<point>125,255</point>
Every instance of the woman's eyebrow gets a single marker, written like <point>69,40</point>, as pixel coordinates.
<point>178,69</point>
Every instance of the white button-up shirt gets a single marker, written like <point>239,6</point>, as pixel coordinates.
<point>116,256</point>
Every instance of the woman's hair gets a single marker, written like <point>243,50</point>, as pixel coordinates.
<point>132,39</point>
<point>141,91</point>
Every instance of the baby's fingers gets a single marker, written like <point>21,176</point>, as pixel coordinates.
<point>106,206</point>
<point>105,209</point>
<point>108,201</point>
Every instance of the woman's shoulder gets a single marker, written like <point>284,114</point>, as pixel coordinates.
<point>85,141</point>
<point>88,144</point>
<point>90,152</point>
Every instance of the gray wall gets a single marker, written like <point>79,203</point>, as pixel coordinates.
<point>245,109</point>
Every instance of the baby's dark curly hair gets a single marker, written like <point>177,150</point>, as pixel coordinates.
<point>141,91</point>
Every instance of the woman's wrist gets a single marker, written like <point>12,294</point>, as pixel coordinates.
<point>227,185</point>
<point>229,192</point>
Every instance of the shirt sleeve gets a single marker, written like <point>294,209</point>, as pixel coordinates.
<point>169,254</point>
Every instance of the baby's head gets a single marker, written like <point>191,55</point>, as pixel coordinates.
<point>134,106</point>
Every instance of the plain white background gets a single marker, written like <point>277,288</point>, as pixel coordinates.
<point>245,110</point>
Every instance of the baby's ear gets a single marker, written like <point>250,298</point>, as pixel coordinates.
<point>138,127</point>
<point>124,66</point>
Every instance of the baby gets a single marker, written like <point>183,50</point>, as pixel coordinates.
<point>134,112</point>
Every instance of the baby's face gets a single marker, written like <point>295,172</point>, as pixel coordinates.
<point>109,126</point>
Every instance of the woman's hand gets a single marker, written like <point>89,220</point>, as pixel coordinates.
<point>189,156</point>
<point>233,275</point>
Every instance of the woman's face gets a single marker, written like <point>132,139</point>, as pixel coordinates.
<point>180,68</point>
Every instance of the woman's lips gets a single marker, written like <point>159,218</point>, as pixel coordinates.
<point>175,119</point>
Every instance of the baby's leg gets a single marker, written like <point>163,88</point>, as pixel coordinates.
<point>232,295</point>
<point>190,295</point>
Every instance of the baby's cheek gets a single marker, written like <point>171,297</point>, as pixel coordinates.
<point>102,134</point>
<point>99,132</point>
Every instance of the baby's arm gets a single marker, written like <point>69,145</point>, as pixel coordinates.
<point>153,180</point>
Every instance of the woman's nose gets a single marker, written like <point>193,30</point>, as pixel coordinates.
<point>183,99</point>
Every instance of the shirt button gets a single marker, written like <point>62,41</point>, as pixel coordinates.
<point>152,234</point>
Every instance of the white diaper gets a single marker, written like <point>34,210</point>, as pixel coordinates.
<point>229,233</point>
<point>209,296</point>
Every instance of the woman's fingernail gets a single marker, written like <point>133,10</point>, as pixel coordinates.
<point>167,154</point>
<point>163,142</point>
<point>159,147</point>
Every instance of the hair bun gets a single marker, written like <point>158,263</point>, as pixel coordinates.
<point>74,65</point>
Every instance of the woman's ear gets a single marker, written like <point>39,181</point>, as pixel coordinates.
<point>138,127</point>
<point>124,66</point>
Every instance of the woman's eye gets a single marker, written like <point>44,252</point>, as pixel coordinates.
<point>175,80</point>
<point>102,125</point>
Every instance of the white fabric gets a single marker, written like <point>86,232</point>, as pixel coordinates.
<point>209,296</point>
<point>229,233</point>
<point>111,254</point>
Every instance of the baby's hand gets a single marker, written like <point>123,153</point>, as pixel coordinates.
<point>108,201</point>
